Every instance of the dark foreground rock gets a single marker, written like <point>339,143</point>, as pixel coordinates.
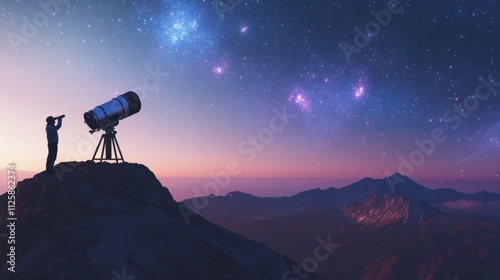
<point>116,221</point>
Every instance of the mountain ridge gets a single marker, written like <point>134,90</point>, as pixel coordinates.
<point>355,192</point>
<point>404,232</point>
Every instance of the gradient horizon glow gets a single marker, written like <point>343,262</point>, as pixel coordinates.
<point>210,88</point>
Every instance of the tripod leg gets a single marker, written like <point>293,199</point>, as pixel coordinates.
<point>103,148</point>
<point>98,145</point>
<point>108,138</point>
<point>119,150</point>
<point>114,148</point>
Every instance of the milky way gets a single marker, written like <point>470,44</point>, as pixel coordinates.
<point>242,62</point>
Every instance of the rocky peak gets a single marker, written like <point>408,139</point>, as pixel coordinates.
<point>116,221</point>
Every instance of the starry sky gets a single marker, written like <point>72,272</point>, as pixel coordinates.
<point>325,90</point>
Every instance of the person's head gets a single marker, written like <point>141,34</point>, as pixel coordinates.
<point>51,120</point>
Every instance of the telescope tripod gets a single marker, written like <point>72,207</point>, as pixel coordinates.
<point>109,144</point>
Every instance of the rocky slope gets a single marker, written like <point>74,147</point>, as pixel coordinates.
<point>115,221</point>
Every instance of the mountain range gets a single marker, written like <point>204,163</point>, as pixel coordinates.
<point>391,228</point>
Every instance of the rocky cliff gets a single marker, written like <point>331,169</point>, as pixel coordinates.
<point>116,221</point>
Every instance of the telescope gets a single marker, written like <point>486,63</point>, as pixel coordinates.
<point>60,117</point>
<point>106,117</point>
<point>108,114</point>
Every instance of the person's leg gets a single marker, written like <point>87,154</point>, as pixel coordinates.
<point>47,163</point>
<point>55,154</point>
<point>51,158</point>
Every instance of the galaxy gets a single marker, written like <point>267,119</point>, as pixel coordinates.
<point>299,97</point>
<point>365,80</point>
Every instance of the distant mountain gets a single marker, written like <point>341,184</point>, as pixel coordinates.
<point>238,204</point>
<point>383,232</point>
<point>115,221</point>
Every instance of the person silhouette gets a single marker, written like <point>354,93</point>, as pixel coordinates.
<point>52,141</point>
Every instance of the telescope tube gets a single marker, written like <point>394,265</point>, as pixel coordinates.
<point>108,114</point>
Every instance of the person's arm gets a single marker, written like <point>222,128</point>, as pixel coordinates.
<point>59,124</point>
